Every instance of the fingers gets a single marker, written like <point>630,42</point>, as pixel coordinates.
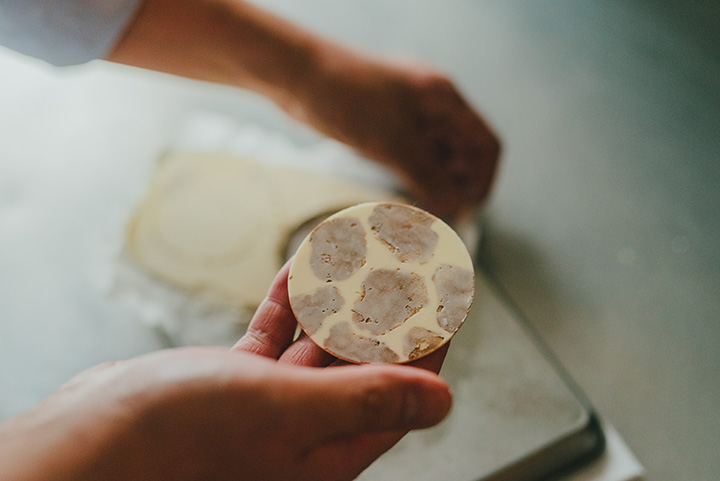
<point>433,361</point>
<point>352,400</point>
<point>430,183</point>
<point>304,352</point>
<point>453,167</point>
<point>272,328</point>
<point>347,458</point>
<point>456,140</point>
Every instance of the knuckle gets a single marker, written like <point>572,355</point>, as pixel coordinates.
<point>439,81</point>
<point>434,82</point>
<point>381,403</point>
<point>278,305</point>
<point>494,146</point>
<point>260,340</point>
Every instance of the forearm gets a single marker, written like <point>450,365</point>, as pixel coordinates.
<point>224,41</point>
<point>409,117</point>
<point>30,450</point>
<point>63,440</point>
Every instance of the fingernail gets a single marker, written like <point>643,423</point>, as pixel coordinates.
<point>427,405</point>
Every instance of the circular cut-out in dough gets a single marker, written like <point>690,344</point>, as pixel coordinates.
<point>381,282</point>
<point>219,225</point>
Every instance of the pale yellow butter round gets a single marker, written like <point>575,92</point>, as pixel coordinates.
<point>381,282</point>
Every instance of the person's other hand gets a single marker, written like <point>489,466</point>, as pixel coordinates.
<point>264,410</point>
<point>410,118</point>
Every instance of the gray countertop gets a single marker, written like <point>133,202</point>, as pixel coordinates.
<point>602,229</point>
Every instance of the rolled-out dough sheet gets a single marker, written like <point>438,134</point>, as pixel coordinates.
<point>220,223</point>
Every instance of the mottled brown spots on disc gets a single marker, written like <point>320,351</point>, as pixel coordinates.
<point>420,341</point>
<point>312,309</point>
<point>455,286</point>
<point>405,230</point>
<point>345,344</point>
<point>338,249</point>
<point>388,299</point>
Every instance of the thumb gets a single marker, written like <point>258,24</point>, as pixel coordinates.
<point>351,400</point>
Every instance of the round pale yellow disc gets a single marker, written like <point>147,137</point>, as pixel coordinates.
<point>381,282</point>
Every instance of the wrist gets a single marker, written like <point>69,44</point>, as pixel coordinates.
<point>323,92</point>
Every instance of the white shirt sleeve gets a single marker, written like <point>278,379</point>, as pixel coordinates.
<point>64,32</point>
